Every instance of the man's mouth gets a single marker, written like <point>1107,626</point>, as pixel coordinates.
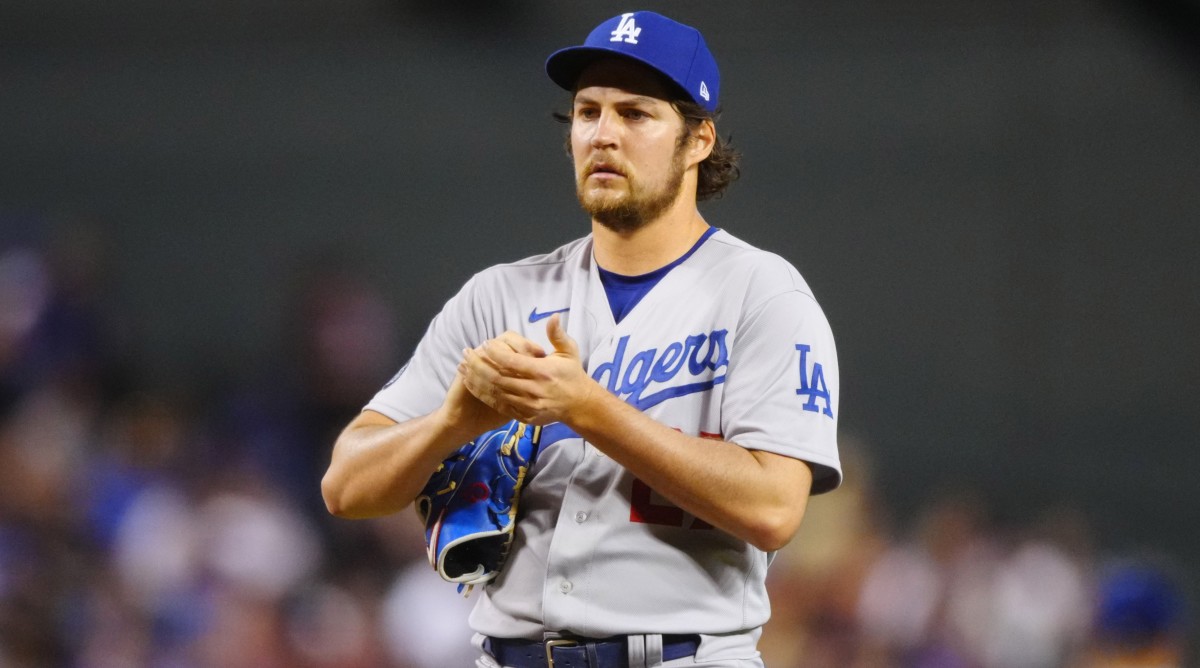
<point>602,168</point>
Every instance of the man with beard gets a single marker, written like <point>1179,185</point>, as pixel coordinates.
<point>686,384</point>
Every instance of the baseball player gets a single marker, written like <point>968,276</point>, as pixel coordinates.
<point>685,383</point>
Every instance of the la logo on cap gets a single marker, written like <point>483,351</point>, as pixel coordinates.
<point>626,30</point>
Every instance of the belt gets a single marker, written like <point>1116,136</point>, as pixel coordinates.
<point>580,652</point>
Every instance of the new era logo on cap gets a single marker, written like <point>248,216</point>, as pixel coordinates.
<point>675,50</point>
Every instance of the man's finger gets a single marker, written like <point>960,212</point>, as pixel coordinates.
<point>507,362</point>
<point>476,371</point>
<point>563,344</point>
<point>521,345</point>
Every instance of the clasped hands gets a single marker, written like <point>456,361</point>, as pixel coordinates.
<point>518,379</point>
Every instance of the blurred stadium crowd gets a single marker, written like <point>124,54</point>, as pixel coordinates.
<point>144,526</point>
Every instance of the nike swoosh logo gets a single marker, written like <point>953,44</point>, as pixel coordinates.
<point>534,316</point>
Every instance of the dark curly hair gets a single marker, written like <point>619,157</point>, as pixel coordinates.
<point>717,171</point>
<point>721,167</point>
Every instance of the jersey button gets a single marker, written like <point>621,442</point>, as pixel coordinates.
<point>565,586</point>
<point>581,517</point>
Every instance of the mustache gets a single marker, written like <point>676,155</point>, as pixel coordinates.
<point>603,164</point>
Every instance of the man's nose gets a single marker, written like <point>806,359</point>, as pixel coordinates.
<point>607,130</point>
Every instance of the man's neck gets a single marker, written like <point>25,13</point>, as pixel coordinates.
<point>654,245</point>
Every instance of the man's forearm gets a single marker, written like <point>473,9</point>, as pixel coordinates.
<point>759,497</point>
<point>379,466</point>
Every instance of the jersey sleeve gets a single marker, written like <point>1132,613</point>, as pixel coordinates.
<point>782,389</point>
<point>421,384</point>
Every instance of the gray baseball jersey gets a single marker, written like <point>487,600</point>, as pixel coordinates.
<point>730,345</point>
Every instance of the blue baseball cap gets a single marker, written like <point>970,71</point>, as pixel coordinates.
<point>675,50</point>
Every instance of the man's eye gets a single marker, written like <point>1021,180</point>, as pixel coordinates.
<point>586,113</point>
<point>635,114</point>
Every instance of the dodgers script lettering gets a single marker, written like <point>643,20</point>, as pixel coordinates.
<point>704,358</point>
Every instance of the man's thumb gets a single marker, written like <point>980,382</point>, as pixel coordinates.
<point>559,339</point>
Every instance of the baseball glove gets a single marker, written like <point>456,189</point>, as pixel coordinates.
<point>469,505</point>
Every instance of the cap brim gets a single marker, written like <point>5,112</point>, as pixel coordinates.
<point>565,66</point>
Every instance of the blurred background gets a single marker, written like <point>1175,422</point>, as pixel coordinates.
<point>223,225</point>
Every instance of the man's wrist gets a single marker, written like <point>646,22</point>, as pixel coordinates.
<point>449,428</point>
<point>593,410</point>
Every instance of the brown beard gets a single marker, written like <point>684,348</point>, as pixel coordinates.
<point>639,207</point>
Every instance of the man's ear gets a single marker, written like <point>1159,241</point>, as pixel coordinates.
<point>701,141</point>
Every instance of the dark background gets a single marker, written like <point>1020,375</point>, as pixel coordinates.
<point>997,204</point>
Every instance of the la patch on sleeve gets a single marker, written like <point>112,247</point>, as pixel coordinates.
<point>812,383</point>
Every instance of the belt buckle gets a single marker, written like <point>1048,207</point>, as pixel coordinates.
<point>557,642</point>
